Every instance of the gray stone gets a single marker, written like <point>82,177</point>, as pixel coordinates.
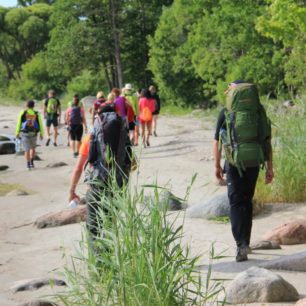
<point>294,262</point>
<point>172,202</point>
<point>6,127</point>
<point>217,206</point>
<point>292,232</point>
<point>288,103</point>
<point>3,167</point>
<point>7,144</point>
<point>17,192</point>
<point>66,216</point>
<point>258,285</point>
<point>56,165</point>
<point>265,245</point>
<point>36,283</point>
<point>39,303</point>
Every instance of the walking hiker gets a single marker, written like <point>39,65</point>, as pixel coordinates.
<point>134,122</point>
<point>146,109</point>
<point>29,124</point>
<point>96,105</point>
<point>52,114</point>
<point>155,114</point>
<point>244,131</point>
<point>75,119</point>
<point>109,138</point>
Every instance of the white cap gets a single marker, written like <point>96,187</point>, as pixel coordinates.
<point>128,86</point>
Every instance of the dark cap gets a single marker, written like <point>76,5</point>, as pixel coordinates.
<point>30,104</point>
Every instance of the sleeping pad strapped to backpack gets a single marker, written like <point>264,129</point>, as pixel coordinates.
<point>109,148</point>
<point>247,128</point>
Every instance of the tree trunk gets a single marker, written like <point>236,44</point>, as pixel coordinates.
<point>107,78</point>
<point>116,38</point>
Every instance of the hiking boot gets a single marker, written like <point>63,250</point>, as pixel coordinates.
<point>32,163</point>
<point>242,254</point>
<point>148,144</point>
<point>155,134</point>
<point>75,154</point>
<point>55,144</point>
<point>48,142</point>
<point>29,165</point>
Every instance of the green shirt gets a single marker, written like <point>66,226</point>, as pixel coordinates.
<point>31,112</point>
<point>133,100</point>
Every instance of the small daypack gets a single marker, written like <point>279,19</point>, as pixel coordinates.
<point>75,116</point>
<point>247,128</point>
<point>109,149</point>
<point>29,123</point>
<point>52,106</point>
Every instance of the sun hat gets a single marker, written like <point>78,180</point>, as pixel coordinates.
<point>128,86</point>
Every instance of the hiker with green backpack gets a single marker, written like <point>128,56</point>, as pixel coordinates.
<point>244,133</point>
<point>52,114</point>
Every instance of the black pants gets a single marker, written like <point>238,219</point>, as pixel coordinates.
<point>240,193</point>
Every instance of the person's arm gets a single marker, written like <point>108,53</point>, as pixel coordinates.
<point>217,161</point>
<point>67,116</point>
<point>18,127</point>
<point>45,108</point>
<point>77,172</point>
<point>269,165</point>
<point>84,119</point>
<point>59,111</point>
<point>41,126</point>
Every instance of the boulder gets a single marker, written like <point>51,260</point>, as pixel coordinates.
<point>217,206</point>
<point>7,144</point>
<point>66,216</point>
<point>293,262</point>
<point>56,165</point>
<point>6,127</point>
<point>17,192</point>
<point>172,202</point>
<point>3,167</point>
<point>265,245</point>
<point>258,285</point>
<point>39,303</point>
<point>292,232</point>
<point>301,302</point>
<point>36,283</point>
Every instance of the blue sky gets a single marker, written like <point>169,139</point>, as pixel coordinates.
<point>8,3</point>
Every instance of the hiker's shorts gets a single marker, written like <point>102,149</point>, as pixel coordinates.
<point>76,132</point>
<point>51,120</point>
<point>28,141</point>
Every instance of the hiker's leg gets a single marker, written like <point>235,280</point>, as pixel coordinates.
<point>155,117</point>
<point>240,193</point>
<point>136,134</point>
<point>79,134</point>
<point>149,132</point>
<point>27,155</point>
<point>48,131</point>
<point>55,134</point>
<point>143,130</point>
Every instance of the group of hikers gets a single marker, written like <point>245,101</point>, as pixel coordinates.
<point>139,110</point>
<point>243,131</point>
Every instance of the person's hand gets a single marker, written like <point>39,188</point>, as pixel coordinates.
<point>219,173</point>
<point>269,176</point>
<point>73,195</point>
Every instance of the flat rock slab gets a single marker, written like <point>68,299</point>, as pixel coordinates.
<point>265,245</point>
<point>217,206</point>
<point>258,285</point>
<point>292,232</point>
<point>17,192</point>
<point>38,303</point>
<point>56,165</point>
<point>294,262</point>
<point>64,217</point>
<point>3,167</point>
<point>34,284</point>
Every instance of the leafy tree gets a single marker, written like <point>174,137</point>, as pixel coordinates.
<point>285,22</point>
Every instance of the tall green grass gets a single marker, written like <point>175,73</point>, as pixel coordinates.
<point>137,259</point>
<point>289,155</point>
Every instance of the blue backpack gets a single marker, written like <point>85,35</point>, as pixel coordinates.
<point>30,123</point>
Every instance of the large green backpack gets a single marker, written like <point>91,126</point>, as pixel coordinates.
<point>52,106</point>
<point>247,128</point>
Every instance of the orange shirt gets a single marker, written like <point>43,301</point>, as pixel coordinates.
<point>84,149</point>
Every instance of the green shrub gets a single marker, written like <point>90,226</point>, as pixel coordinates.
<point>138,259</point>
<point>289,147</point>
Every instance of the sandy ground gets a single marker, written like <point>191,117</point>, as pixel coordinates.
<point>182,148</point>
